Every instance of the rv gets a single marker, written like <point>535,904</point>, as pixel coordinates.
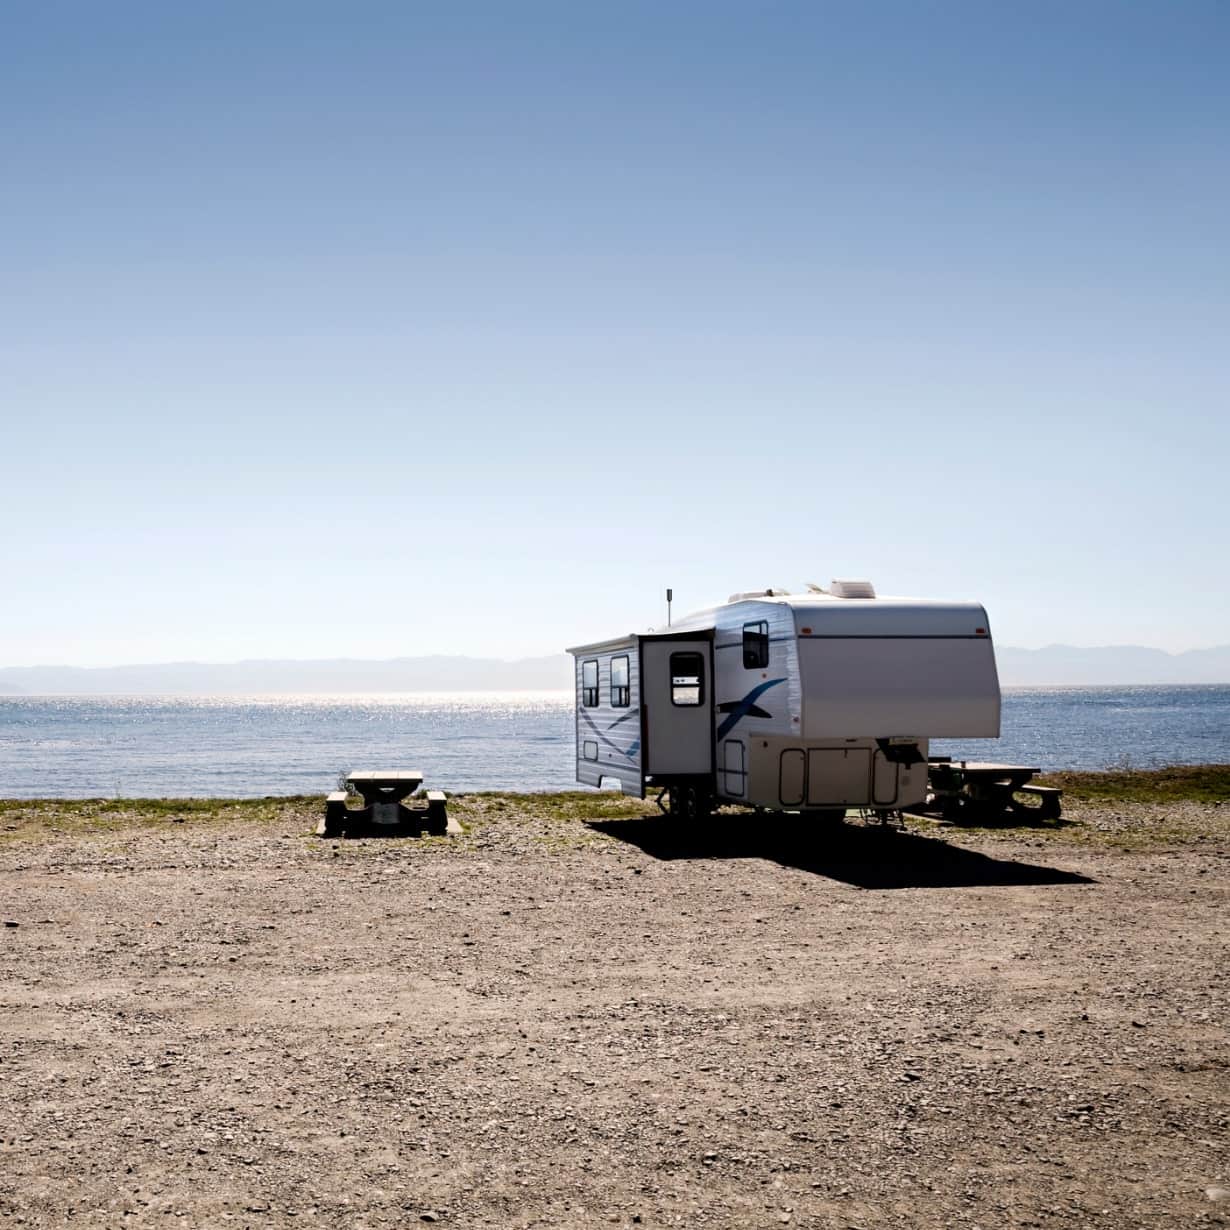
<point>811,702</point>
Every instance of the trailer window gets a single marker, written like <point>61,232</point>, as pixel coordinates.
<point>687,679</point>
<point>621,695</point>
<point>589,684</point>
<point>756,645</point>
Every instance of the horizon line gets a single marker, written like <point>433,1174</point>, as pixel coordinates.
<point>462,657</point>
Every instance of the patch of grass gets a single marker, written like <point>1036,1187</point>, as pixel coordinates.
<point>559,820</point>
<point>1206,783</point>
<point>553,823</point>
<point>34,819</point>
<point>558,807</point>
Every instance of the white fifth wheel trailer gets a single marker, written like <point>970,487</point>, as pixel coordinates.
<point>818,701</point>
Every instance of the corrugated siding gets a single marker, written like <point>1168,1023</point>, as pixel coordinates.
<point>613,734</point>
<point>733,683</point>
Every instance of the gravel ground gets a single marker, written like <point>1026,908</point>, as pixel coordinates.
<point>556,1022</point>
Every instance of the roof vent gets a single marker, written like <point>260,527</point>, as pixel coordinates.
<point>852,589</point>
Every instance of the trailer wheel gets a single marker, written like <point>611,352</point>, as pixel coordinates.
<point>698,803</point>
<point>688,802</point>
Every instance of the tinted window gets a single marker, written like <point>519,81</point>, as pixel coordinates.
<point>756,645</point>
<point>687,679</point>
<point>621,695</point>
<point>589,684</point>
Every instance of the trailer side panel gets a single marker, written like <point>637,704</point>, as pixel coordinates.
<point>608,709</point>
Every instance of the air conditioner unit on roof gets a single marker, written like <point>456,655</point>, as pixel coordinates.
<point>852,589</point>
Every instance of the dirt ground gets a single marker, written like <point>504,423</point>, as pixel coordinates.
<point>572,1016</point>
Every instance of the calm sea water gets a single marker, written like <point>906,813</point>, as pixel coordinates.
<point>89,747</point>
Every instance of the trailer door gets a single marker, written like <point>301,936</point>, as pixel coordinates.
<point>677,693</point>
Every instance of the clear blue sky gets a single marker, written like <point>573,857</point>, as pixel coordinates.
<point>373,329</point>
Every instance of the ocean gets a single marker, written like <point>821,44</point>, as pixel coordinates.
<point>143,746</point>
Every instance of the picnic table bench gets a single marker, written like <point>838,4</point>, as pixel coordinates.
<point>384,805</point>
<point>969,789</point>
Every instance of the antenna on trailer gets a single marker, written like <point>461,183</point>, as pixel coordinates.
<point>670,594</point>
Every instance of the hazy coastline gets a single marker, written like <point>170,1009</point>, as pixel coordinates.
<point>1051,666</point>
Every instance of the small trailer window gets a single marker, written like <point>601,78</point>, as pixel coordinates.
<point>621,696</point>
<point>756,645</point>
<point>687,679</point>
<point>589,685</point>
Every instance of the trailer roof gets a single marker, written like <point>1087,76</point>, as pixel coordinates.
<point>618,642</point>
<point>827,610</point>
<point>839,616</point>
<point>630,641</point>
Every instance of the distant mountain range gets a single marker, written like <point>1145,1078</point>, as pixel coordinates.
<point>1111,664</point>
<point>1056,664</point>
<point>337,675</point>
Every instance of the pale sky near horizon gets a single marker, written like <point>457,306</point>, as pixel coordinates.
<point>387,328</point>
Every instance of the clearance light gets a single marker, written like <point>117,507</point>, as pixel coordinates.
<point>807,632</point>
<point>980,632</point>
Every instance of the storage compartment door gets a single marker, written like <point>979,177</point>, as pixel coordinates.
<point>792,777</point>
<point>838,777</point>
<point>884,781</point>
<point>733,776</point>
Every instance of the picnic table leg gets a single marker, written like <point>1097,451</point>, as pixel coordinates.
<point>334,823</point>
<point>437,816</point>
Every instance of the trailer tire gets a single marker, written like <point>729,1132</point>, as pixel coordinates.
<point>688,802</point>
<point>697,805</point>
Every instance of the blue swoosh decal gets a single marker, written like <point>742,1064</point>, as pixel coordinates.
<point>737,710</point>
<point>630,753</point>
